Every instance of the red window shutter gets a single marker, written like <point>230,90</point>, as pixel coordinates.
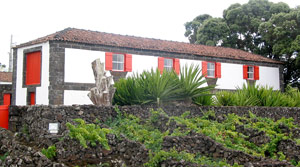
<point>176,66</point>
<point>108,61</point>
<point>32,98</point>
<point>161,64</point>
<point>245,71</point>
<point>6,99</point>
<point>256,72</point>
<point>204,68</point>
<point>128,62</point>
<point>218,70</point>
<point>33,68</point>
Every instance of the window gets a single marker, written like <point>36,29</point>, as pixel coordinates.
<point>118,62</point>
<point>251,72</point>
<point>33,68</point>
<point>168,64</point>
<point>211,69</point>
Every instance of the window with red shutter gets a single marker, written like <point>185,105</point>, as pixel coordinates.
<point>118,62</point>
<point>211,69</point>
<point>33,68</point>
<point>168,64</point>
<point>250,72</point>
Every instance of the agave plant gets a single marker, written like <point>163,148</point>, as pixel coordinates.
<point>128,92</point>
<point>192,82</point>
<point>154,87</point>
<point>159,88</point>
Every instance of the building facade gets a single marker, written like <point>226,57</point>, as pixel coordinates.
<point>56,69</point>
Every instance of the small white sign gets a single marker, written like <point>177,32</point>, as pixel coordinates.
<point>53,127</point>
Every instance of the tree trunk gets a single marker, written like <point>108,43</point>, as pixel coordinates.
<point>103,93</point>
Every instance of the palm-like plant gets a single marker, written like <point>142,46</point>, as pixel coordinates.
<point>191,82</point>
<point>159,88</point>
<point>154,87</point>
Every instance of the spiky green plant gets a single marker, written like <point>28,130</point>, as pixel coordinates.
<point>192,82</point>
<point>160,88</point>
<point>128,91</point>
<point>224,98</point>
<point>154,87</point>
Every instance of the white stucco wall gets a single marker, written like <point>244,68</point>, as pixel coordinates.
<point>78,66</point>
<point>78,69</point>
<point>81,97</point>
<point>269,76</point>
<point>41,91</point>
<point>231,76</point>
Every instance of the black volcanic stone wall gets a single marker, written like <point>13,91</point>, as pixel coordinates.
<point>31,123</point>
<point>38,117</point>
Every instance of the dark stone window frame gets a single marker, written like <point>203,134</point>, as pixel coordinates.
<point>28,97</point>
<point>25,52</point>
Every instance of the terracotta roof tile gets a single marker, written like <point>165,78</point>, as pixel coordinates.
<point>101,38</point>
<point>5,76</point>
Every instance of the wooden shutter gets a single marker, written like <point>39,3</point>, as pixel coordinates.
<point>176,66</point>
<point>161,64</point>
<point>256,72</point>
<point>128,62</point>
<point>218,70</point>
<point>33,68</point>
<point>108,61</point>
<point>245,71</point>
<point>6,99</point>
<point>204,68</point>
<point>32,98</point>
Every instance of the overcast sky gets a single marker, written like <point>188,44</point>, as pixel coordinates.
<point>163,19</point>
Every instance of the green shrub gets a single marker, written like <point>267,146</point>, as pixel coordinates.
<point>50,152</point>
<point>254,95</point>
<point>206,100</point>
<point>88,133</point>
<point>225,98</point>
<point>128,92</point>
<point>293,95</point>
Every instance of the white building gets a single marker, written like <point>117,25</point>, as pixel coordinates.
<point>56,69</point>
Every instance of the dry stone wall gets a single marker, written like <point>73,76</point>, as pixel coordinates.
<point>31,123</point>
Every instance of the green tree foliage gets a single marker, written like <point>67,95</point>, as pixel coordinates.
<point>259,26</point>
<point>193,26</point>
<point>282,33</point>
